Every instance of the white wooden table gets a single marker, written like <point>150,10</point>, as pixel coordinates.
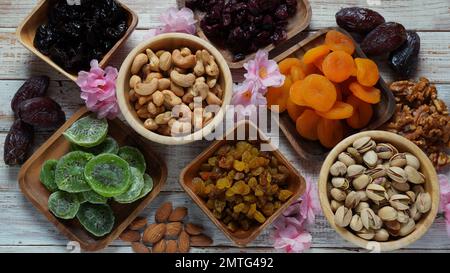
<point>24,229</point>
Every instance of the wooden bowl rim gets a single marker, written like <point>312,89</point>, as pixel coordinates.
<point>122,82</point>
<point>424,223</point>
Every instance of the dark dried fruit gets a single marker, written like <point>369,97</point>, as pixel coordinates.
<point>385,38</point>
<point>359,20</point>
<point>32,88</point>
<point>404,60</point>
<point>42,112</point>
<point>17,143</point>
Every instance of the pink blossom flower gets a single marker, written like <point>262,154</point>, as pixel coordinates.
<point>292,240</point>
<point>445,192</point>
<point>310,205</point>
<point>174,20</point>
<point>447,218</point>
<point>247,98</point>
<point>263,71</point>
<point>98,90</point>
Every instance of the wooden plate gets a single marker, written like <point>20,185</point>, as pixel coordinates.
<point>313,150</point>
<point>55,147</point>
<point>27,30</point>
<point>296,24</point>
<point>296,182</point>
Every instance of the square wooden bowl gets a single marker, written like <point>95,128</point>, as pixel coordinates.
<point>27,30</point>
<point>55,147</point>
<point>382,112</point>
<point>296,183</point>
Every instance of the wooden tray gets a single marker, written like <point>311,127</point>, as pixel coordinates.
<point>27,30</point>
<point>296,182</point>
<point>313,150</point>
<point>55,147</point>
<point>296,24</point>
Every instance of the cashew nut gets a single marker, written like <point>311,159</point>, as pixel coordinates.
<point>211,67</point>
<point>158,98</point>
<point>200,79</point>
<point>164,130</point>
<point>211,81</point>
<point>165,61</point>
<point>138,62</point>
<point>163,84</point>
<point>153,75</point>
<point>200,89</point>
<point>154,110</point>
<point>150,124</point>
<point>170,98</point>
<point>185,51</point>
<point>181,128</point>
<point>199,68</point>
<point>154,60</point>
<point>163,118</point>
<point>132,95</point>
<point>183,80</point>
<point>143,113</point>
<point>159,52</point>
<point>213,99</point>
<point>188,97</point>
<point>218,91</point>
<point>177,90</point>
<point>183,62</point>
<point>207,117</point>
<point>146,89</point>
<point>144,99</point>
<point>135,79</point>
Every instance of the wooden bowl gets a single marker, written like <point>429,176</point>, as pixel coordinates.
<point>313,150</point>
<point>55,147</point>
<point>296,182</point>
<point>27,30</point>
<point>431,186</point>
<point>296,24</point>
<point>171,41</point>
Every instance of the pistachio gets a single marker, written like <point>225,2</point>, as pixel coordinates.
<point>361,182</point>
<point>366,234</point>
<point>414,212</point>
<point>377,172</point>
<point>387,213</point>
<point>362,195</point>
<point>412,196</point>
<point>335,205</point>
<point>370,219</point>
<point>397,174</point>
<point>399,201</point>
<point>356,223</point>
<point>370,158</point>
<point>381,235</point>
<point>346,159</point>
<point>385,150</point>
<point>398,160</point>
<point>361,206</point>
<point>355,170</point>
<point>338,169</point>
<point>401,187</point>
<point>402,217</point>
<point>355,155</point>
<point>414,176</point>
<point>412,161</point>
<point>338,194</point>
<point>418,189</point>
<point>352,200</point>
<point>343,216</point>
<point>340,183</point>
<point>423,202</point>
<point>393,225</point>
<point>376,192</point>
<point>363,144</point>
<point>407,228</point>
<point>391,192</point>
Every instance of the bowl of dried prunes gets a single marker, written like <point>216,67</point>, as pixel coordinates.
<point>69,34</point>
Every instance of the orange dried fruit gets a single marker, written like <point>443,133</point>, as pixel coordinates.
<point>294,110</point>
<point>315,53</point>
<point>286,65</point>
<point>308,69</point>
<point>318,92</point>
<point>295,94</point>
<point>338,66</point>
<point>370,95</point>
<point>362,113</point>
<point>279,95</point>
<point>306,124</point>
<point>330,132</point>
<point>297,73</point>
<point>319,63</point>
<point>340,110</point>
<point>338,41</point>
<point>367,72</point>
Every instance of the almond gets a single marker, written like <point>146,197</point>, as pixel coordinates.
<point>138,223</point>
<point>178,214</point>
<point>193,229</point>
<point>159,247</point>
<point>163,212</point>
<point>154,233</point>
<point>200,240</point>
<point>171,246</point>
<point>139,248</point>
<point>183,242</point>
<point>130,236</point>
<point>173,229</point>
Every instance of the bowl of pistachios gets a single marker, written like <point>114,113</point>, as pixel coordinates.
<point>379,191</point>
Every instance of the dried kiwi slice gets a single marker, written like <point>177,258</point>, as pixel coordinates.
<point>97,219</point>
<point>108,175</point>
<point>47,175</point>
<point>148,187</point>
<point>109,145</point>
<point>69,172</point>
<point>87,132</point>
<point>94,198</point>
<point>63,205</point>
<point>137,184</point>
<point>134,157</point>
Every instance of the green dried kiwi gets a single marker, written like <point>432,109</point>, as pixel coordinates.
<point>81,198</point>
<point>97,219</point>
<point>69,172</point>
<point>109,145</point>
<point>134,157</point>
<point>137,184</point>
<point>63,205</point>
<point>87,132</point>
<point>108,175</point>
<point>148,187</point>
<point>94,198</point>
<point>47,175</point>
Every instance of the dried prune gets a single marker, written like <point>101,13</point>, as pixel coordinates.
<point>17,143</point>
<point>385,38</point>
<point>41,112</point>
<point>404,60</point>
<point>361,20</point>
<point>32,88</point>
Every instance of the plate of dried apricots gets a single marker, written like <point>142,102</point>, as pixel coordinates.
<point>331,90</point>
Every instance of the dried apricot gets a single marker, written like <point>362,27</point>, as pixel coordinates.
<point>368,94</point>
<point>362,113</point>
<point>286,65</point>
<point>307,124</point>
<point>279,95</point>
<point>330,132</point>
<point>294,110</point>
<point>318,92</point>
<point>340,110</point>
<point>367,72</point>
<point>308,69</point>
<point>297,73</point>
<point>295,94</point>
<point>338,66</point>
<point>337,41</point>
<point>315,53</point>
<point>319,63</point>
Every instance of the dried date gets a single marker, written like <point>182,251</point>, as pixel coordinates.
<point>42,112</point>
<point>360,20</point>
<point>17,143</point>
<point>404,60</point>
<point>385,38</point>
<point>32,88</point>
